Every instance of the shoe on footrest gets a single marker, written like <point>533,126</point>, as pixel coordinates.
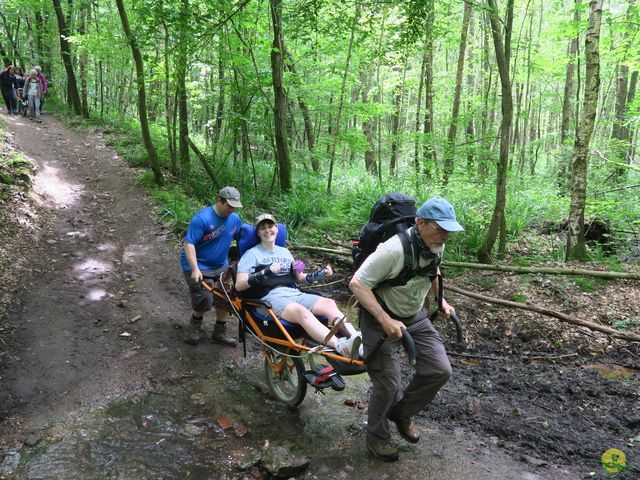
<point>349,347</point>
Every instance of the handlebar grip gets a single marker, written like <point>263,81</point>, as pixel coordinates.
<point>407,342</point>
<point>458,325</point>
<point>409,346</point>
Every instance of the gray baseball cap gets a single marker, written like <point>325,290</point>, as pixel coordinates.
<point>231,195</point>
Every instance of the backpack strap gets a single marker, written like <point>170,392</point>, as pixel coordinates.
<point>410,266</point>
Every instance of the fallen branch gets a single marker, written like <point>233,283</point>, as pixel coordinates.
<point>335,242</point>
<point>550,313</point>
<point>333,251</point>
<point>524,357</point>
<point>549,270</point>
<point>475,357</point>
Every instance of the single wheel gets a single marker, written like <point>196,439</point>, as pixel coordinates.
<point>285,377</point>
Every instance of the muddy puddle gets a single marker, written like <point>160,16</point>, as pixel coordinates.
<point>207,424</point>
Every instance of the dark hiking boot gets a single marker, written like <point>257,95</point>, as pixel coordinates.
<point>382,449</point>
<point>193,331</point>
<point>220,335</point>
<point>405,428</point>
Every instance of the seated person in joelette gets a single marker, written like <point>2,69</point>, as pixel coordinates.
<point>268,272</point>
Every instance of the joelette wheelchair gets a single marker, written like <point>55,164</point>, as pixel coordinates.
<point>292,361</point>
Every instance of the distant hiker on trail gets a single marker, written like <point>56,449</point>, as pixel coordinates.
<point>206,247</point>
<point>389,308</point>
<point>8,86</point>
<point>269,272</point>
<point>43,80</point>
<point>33,91</point>
<point>20,97</point>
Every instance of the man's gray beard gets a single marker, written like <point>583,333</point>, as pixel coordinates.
<point>437,250</point>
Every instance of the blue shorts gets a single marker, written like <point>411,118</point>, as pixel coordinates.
<point>281,297</point>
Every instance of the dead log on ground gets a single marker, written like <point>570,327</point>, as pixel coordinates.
<point>547,270</point>
<point>632,337</point>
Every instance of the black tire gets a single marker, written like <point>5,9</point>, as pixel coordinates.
<point>289,386</point>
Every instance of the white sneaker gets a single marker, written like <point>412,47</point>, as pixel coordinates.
<point>349,347</point>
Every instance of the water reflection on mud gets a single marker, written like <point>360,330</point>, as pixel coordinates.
<point>178,431</point>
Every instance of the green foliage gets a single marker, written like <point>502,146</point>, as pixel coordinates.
<point>488,282</point>
<point>588,284</point>
<point>518,297</point>
<point>627,324</point>
<point>173,206</point>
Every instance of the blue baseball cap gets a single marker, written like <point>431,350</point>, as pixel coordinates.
<point>441,212</point>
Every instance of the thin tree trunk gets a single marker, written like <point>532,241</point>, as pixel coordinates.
<point>367,124</point>
<point>430,156</point>
<point>167,104</point>
<point>502,50</point>
<point>184,159</point>
<point>340,104</point>
<point>398,91</point>
<point>453,127</point>
<point>569,78</point>
<point>83,63</point>
<point>220,108</point>
<point>142,98</point>
<point>416,155</point>
<point>306,116</point>
<point>280,107</point>
<point>65,53</point>
<point>470,129</point>
<point>628,157</point>
<point>576,247</point>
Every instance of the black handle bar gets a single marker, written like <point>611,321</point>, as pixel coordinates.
<point>407,342</point>
<point>456,322</point>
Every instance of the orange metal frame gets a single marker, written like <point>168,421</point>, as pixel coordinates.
<point>240,305</point>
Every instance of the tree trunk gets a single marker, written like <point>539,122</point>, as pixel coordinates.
<point>306,116</point>
<point>367,124</point>
<point>184,159</point>
<point>450,146</point>
<point>340,104</point>
<point>430,156</point>
<point>470,129</point>
<point>142,97</point>
<point>416,155</point>
<point>395,124</point>
<point>280,107</point>
<point>619,135</point>
<point>576,247</point>
<point>628,157</point>
<point>217,128</point>
<point>167,104</point>
<point>83,63</point>
<point>502,51</point>
<point>567,100</point>
<point>65,53</point>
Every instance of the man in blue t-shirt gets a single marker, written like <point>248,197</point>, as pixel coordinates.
<point>204,256</point>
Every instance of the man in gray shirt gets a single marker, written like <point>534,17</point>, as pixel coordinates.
<point>386,309</point>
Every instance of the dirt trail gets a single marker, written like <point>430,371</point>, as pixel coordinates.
<point>103,260</point>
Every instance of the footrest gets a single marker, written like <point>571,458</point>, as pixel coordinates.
<point>324,376</point>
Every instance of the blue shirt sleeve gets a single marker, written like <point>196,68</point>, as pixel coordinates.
<point>196,230</point>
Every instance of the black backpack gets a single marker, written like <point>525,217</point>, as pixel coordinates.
<point>392,214</point>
